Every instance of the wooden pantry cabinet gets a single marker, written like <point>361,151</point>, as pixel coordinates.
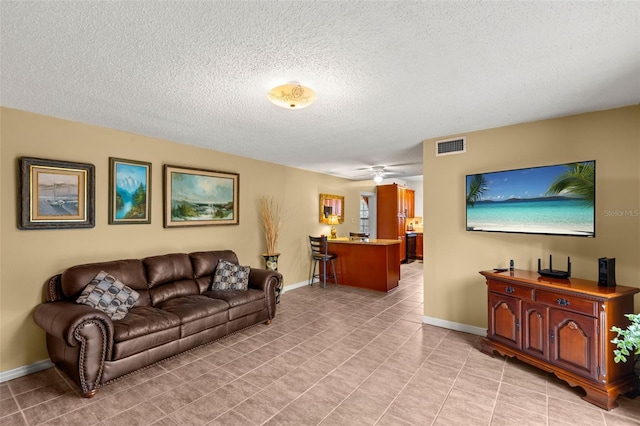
<point>394,205</point>
<point>561,326</point>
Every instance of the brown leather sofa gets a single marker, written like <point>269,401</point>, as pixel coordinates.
<point>176,311</point>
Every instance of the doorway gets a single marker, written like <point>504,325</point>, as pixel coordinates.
<point>368,223</point>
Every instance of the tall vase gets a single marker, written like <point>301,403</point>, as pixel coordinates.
<point>271,264</point>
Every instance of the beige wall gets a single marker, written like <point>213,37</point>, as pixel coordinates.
<point>28,258</point>
<point>454,291</point>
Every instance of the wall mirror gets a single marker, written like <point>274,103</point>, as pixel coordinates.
<point>331,205</point>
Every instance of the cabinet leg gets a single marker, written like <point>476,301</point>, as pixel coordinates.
<point>600,398</point>
<point>486,347</point>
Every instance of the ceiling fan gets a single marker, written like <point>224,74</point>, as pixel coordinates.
<point>380,172</point>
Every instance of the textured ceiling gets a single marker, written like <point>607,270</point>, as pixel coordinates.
<point>387,74</point>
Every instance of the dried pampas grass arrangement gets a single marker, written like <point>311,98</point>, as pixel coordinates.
<point>270,212</point>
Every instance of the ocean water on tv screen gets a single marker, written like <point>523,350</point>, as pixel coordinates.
<point>554,216</point>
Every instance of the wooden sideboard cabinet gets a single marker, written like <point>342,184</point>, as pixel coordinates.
<point>562,326</point>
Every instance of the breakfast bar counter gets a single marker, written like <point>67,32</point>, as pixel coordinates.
<point>367,263</point>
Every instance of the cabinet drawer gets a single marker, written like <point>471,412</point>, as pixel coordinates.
<point>520,292</point>
<point>568,302</point>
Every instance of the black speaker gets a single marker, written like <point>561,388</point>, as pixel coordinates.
<point>607,272</point>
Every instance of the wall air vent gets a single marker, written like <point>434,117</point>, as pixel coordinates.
<point>451,146</point>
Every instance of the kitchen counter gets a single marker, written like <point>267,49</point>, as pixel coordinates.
<point>367,263</point>
<point>367,241</point>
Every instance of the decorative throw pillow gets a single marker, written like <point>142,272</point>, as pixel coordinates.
<point>107,294</point>
<point>229,276</point>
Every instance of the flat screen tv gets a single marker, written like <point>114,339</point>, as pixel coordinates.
<point>551,200</point>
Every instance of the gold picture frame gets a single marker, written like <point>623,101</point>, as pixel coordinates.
<point>55,194</point>
<point>331,204</point>
<point>199,197</point>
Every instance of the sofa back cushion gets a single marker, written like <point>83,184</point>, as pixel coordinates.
<point>130,272</point>
<point>204,265</point>
<point>169,276</point>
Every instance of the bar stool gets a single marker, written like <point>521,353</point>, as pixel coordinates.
<point>320,253</point>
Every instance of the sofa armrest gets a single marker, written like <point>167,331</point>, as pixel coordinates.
<point>63,319</point>
<point>267,281</point>
<point>88,334</point>
<point>262,279</point>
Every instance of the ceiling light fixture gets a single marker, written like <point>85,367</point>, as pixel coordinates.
<point>378,174</point>
<point>292,96</point>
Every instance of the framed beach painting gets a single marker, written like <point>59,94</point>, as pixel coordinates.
<point>197,197</point>
<point>129,191</point>
<point>55,194</point>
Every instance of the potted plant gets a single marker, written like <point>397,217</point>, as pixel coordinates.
<point>270,214</point>
<point>627,340</point>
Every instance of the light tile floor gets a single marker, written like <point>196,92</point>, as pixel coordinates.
<point>334,356</point>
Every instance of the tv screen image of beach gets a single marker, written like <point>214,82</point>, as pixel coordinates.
<point>552,200</point>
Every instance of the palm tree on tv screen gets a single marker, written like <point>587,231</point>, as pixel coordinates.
<point>578,180</point>
<point>477,186</point>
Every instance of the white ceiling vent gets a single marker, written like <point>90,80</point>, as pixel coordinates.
<point>451,146</point>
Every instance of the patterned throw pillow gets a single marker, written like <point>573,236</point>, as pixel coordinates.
<point>229,276</point>
<point>107,294</point>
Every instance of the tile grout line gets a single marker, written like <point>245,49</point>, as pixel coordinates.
<point>353,355</point>
<point>408,381</point>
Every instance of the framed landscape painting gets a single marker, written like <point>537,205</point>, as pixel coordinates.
<point>129,191</point>
<point>197,197</point>
<point>55,194</point>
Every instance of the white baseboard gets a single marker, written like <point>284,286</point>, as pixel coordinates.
<point>455,326</point>
<point>24,370</point>
<point>294,286</point>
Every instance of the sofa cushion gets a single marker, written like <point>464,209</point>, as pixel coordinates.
<point>205,262</point>
<point>229,276</point>
<point>107,294</point>
<point>143,328</point>
<point>143,320</point>
<point>170,276</point>
<point>204,265</point>
<point>241,303</point>
<point>197,312</point>
<point>130,271</point>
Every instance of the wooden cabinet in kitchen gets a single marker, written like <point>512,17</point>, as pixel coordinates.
<point>394,203</point>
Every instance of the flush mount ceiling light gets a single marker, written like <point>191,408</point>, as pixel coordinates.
<point>292,96</point>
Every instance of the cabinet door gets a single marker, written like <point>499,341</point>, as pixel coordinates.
<point>402,203</point>
<point>403,248</point>
<point>535,330</point>
<point>573,342</point>
<point>410,201</point>
<point>504,319</point>
<point>387,211</point>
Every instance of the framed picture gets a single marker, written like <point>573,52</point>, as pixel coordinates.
<point>56,194</point>
<point>129,191</point>
<point>196,197</point>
